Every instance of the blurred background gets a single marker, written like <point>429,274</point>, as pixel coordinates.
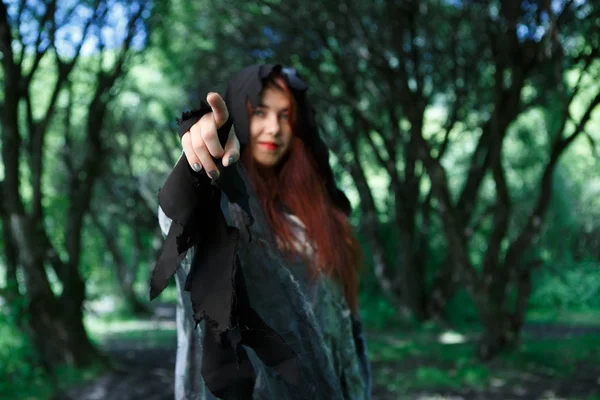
<point>466,134</point>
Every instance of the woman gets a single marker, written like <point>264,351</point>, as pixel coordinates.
<point>266,250</point>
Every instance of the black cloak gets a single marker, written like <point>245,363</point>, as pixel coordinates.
<point>231,277</point>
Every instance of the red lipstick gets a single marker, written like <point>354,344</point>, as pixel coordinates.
<point>269,145</point>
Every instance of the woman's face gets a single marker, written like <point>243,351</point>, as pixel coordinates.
<point>270,128</point>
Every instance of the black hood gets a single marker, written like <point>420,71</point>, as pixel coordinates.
<point>247,84</point>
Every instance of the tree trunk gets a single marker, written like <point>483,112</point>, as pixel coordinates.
<point>130,299</point>
<point>54,324</point>
<point>443,289</point>
<point>411,278</point>
<point>499,333</point>
<point>10,293</point>
<point>58,336</point>
<point>370,227</point>
<point>125,272</point>
<point>502,323</point>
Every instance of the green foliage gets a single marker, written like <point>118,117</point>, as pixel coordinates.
<point>461,310</point>
<point>567,286</point>
<point>418,359</point>
<point>586,318</point>
<point>23,377</point>
<point>461,376</point>
<point>137,332</point>
<point>375,310</point>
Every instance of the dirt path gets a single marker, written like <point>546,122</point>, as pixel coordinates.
<point>146,372</point>
<point>143,374</point>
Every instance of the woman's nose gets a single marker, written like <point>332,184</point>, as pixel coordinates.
<point>273,127</point>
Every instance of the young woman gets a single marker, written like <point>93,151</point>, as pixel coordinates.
<point>265,249</point>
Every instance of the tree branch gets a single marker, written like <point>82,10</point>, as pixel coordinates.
<point>49,15</point>
<point>40,128</point>
<point>500,219</point>
<point>534,222</point>
<point>6,43</point>
<point>452,221</point>
<point>81,188</point>
<point>19,35</point>
<point>448,126</point>
<point>11,137</point>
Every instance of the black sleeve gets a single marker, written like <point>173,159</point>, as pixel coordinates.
<point>215,280</point>
<point>189,118</point>
<point>190,200</point>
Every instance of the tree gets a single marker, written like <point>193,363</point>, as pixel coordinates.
<point>54,319</point>
<point>124,207</point>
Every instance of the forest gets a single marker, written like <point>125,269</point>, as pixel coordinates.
<point>465,133</point>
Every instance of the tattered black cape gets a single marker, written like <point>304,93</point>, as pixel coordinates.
<point>265,317</point>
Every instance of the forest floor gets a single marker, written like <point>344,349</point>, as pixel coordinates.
<point>556,361</point>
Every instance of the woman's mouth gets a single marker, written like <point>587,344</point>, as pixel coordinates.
<point>269,145</point>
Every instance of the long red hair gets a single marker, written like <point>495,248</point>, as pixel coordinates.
<point>298,186</point>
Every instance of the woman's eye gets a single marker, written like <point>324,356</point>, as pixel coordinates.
<point>285,116</point>
<point>259,112</point>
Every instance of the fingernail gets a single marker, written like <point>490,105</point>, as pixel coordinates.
<point>196,167</point>
<point>214,174</point>
<point>231,160</point>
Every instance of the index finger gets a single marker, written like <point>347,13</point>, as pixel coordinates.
<point>219,108</point>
